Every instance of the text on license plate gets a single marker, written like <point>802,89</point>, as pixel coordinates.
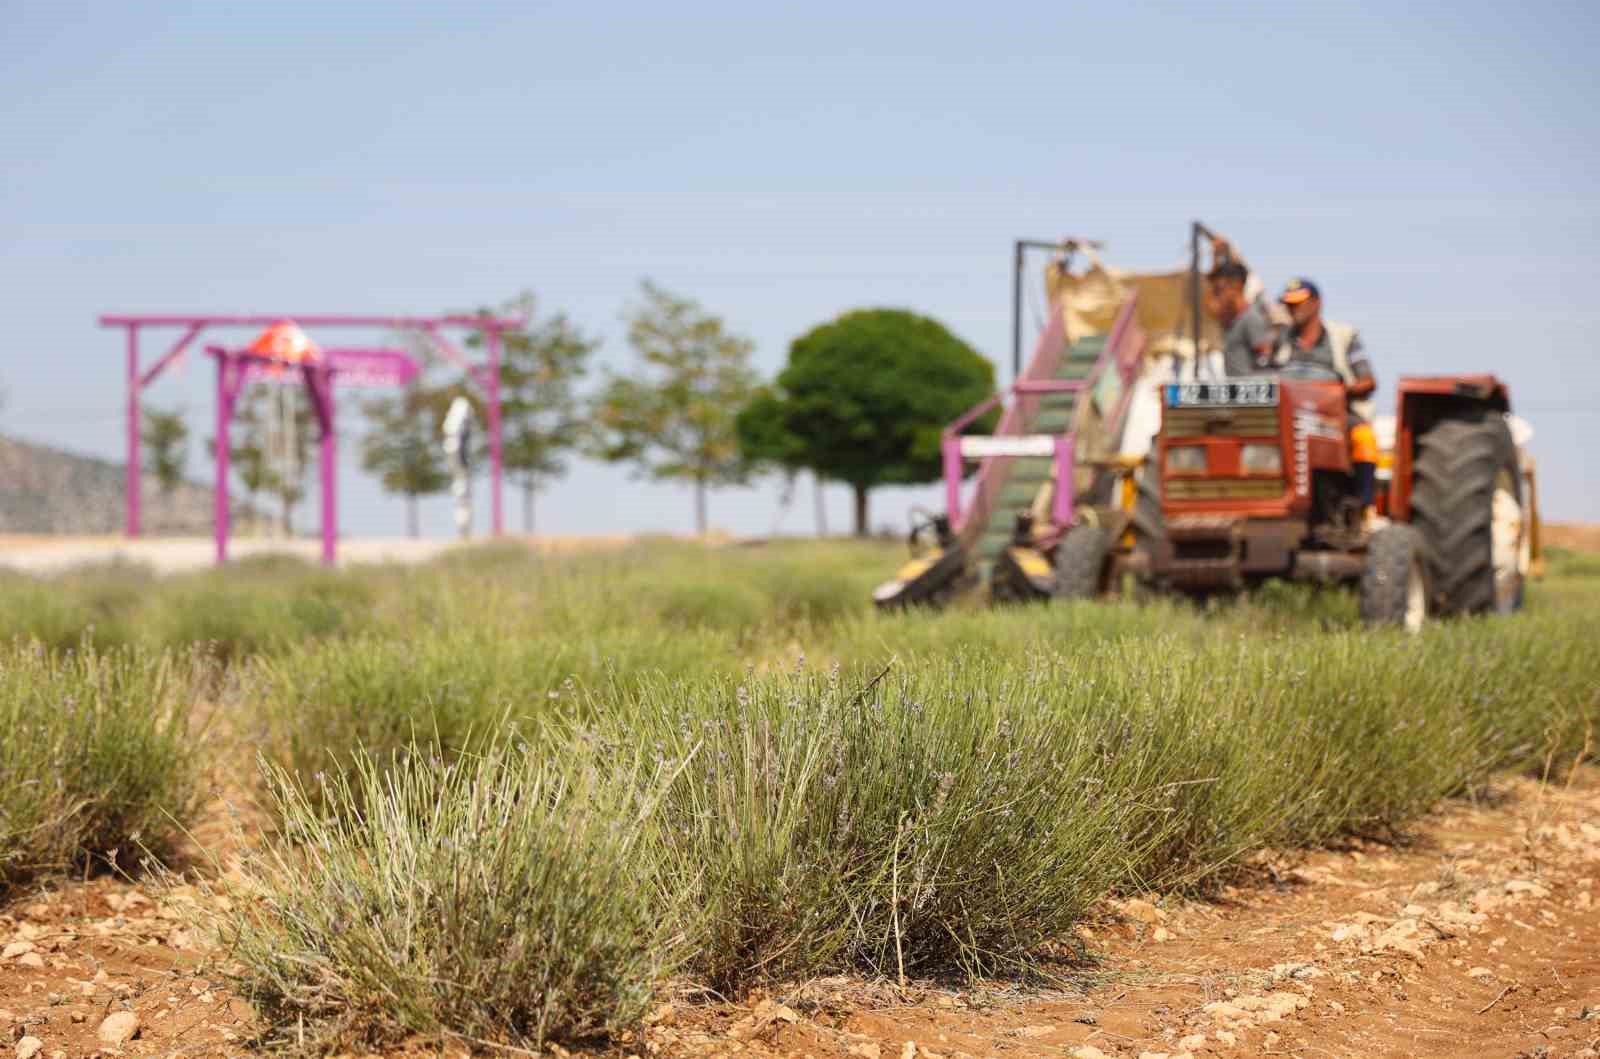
<point>1243,392</point>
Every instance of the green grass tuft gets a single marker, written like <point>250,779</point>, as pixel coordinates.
<point>98,764</point>
<point>502,899</point>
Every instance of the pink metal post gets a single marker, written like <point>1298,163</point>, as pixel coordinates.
<point>1061,503</point>
<point>132,471</point>
<point>319,383</point>
<point>220,512</point>
<point>330,499</point>
<point>950,447</point>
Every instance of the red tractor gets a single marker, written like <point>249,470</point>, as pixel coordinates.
<point>1252,478</point>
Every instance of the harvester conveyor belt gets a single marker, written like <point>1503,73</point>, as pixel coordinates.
<point>1027,475</point>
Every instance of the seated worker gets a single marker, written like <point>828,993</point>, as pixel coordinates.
<point>1312,340</point>
<point>1248,332</point>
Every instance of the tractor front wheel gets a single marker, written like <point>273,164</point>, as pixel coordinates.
<point>1467,503</point>
<point>1081,563</point>
<point>1394,581</point>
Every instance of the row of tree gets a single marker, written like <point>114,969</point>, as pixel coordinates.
<point>861,401</point>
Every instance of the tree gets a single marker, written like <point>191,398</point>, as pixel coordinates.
<point>863,400</point>
<point>165,440</point>
<point>403,448</point>
<point>768,445</point>
<point>673,419</point>
<point>541,418</point>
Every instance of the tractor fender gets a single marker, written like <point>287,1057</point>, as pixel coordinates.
<point>1420,402</point>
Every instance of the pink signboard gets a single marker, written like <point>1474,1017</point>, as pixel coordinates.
<point>372,367</point>
<point>348,367</point>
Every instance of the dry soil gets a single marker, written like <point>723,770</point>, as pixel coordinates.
<point>1480,935</point>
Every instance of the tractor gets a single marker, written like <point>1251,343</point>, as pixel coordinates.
<point>1251,478</point>
<point>1245,479</point>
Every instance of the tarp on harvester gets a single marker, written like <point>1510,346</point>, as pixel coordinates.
<point>1090,299</point>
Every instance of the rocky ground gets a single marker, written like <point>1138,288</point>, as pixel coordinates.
<point>1478,936</point>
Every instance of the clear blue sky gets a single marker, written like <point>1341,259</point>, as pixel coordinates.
<point>1432,166</point>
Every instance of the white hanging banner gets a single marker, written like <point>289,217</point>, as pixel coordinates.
<point>976,448</point>
<point>457,431</point>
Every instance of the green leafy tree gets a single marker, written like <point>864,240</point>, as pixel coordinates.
<point>402,446</point>
<point>164,438</point>
<point>541,417</point>
<point>768,445</point>
<point>673,419</point>
<point>863,400</point>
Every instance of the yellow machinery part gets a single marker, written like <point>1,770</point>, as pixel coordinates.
<point>1129,495</point>
<point>1031,562</point>
<point>918,566</point>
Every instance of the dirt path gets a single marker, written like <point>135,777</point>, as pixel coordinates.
<point>53,555</point>
<point>1481,938</point>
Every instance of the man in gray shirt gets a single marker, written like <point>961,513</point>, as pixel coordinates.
<point>1249,336</point>
<point>1311,339</point>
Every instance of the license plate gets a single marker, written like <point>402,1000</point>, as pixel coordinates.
<point>1213,394</point>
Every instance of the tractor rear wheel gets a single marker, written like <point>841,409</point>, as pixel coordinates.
<point>1081,563</point>
<point>1467,503</point>
<point>1394,581</point>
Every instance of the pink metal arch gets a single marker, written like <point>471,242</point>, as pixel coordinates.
<point>485,376</point>
<point>367,367</point>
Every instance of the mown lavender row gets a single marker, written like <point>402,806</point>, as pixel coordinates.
<point>512,799</point>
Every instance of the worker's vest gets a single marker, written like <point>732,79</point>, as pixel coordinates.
<point>1340,338</point>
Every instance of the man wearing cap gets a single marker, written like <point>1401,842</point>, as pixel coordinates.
<point>1248,332</point>
<point>1312,340</point>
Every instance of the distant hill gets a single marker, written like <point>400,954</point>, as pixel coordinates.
<point>46,490</point>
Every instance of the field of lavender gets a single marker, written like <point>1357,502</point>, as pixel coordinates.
<point>513,799</point>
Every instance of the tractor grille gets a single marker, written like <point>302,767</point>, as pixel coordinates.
<point>1224,488</point>
<point>1238,422</point>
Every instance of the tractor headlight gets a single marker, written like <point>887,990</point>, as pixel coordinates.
<point>1187,459</point>
<point>1261,459</point>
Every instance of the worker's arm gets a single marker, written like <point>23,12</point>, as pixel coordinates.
<point>1365,382</point>
<point>1261,334</point>
<point>1222,250</point>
